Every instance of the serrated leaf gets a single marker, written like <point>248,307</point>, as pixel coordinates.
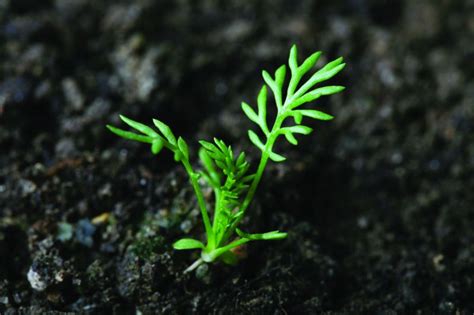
<point>157,145</point>
<point>166,131</point>
<point>250,113</point>
<point>139,126</point>
<point>255,140</point>
<point>315,114</point>
<point>188,243</point>
<point>183,147</point>
<point>129,135</point>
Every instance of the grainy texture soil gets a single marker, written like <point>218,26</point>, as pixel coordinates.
<point>378,203</point>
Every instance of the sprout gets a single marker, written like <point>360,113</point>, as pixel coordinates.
<point>227,173</point>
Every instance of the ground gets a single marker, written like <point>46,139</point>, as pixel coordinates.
<point>377,203</point>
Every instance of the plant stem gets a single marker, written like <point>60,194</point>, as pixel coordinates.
<point>213,255</point>
<point>194,265</point>
<point>202,205</point>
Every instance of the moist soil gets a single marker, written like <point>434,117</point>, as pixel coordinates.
<point>378,203</point>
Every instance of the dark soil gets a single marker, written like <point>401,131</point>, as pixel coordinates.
<point>378,203</point>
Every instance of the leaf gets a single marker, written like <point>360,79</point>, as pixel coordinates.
<point>250,113</point>
<point>273,235</point>
<point>269,81</point>
<point>256,140</point>
<point>275,157</point>
<point>317,93</point>
<point>262,109</point>
<point>212,175</point>
<point>304,130</point>
<point>298,72</point>
<point>315,114</point>
<point>309,63</point>
<point>188,243</point>
<point>293,58</point>
<point>280,77</point>
<point>183,147</point>
<point>328,90</point>
<point>291,138</point>
<point>129,135</point>
<point>207,145</point>
<point>139,126</point>
<point>325,73</point>
<point>157,145</point>
<point>298,117</point>
<point>166,131</point>
<point>277,84</point>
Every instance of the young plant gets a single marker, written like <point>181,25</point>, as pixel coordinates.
<point>228,174</point>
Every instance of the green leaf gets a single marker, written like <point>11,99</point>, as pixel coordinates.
<point>212,175</point>
<point>166,131</point>
<point>277,84</point>
<point>157,145</point>
<point>256,140</point>
<point>280,77</point>
<point>250,113</point>
<point>273,235</point>
<point>207,145</point>
<point>129,135</point>
<point>291,138</point>
<point>315,94</point>
<point>293,58</point>
<point>325,73</point>
<point>298,117</point>
<point>183,147</point>
<point>139,126</point>
<point>309,63</point>
<point>315,114</point>
<point>262,109</point>
<point>328,90</point>
<point>275,157</point>
<point>188,243</point>
<point>304,130</point>
<point>298,72</point>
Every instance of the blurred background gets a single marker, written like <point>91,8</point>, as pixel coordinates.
<point>378,202</point>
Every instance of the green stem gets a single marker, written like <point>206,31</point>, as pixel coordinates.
<point>202,205</point>
<point>212,255</point>
<point>260,169</point>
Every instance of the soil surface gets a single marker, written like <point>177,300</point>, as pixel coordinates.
<point>378,203</point>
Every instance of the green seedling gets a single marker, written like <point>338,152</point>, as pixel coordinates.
<point>228,174</point>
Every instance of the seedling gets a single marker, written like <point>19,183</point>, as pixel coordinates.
<point>228,174</point>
